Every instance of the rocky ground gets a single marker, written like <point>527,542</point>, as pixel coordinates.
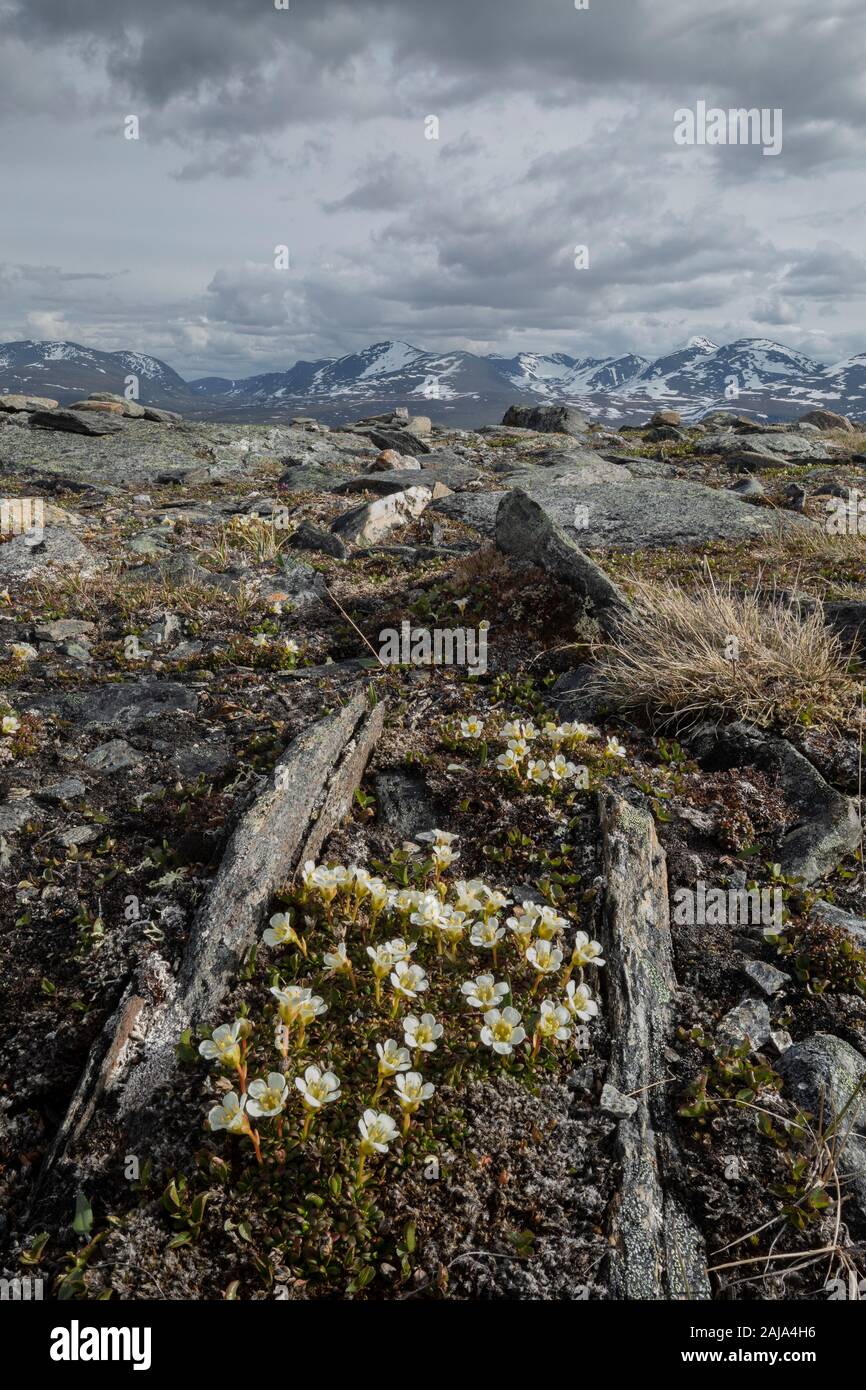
<point>195,706</point>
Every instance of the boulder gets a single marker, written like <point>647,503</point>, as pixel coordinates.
<point>546,419</point>
<point>828,420</point>
<point>367,524</point>
<point>161,417</point>
<point>525,530</point>
<point>78,421</point>
<point>400,441</point>
<point>666,417</point>
<point>767,445</point>
<point>309,537</point>
<point>647,514</point>
<point>15,403</point>
<point>109,407</point>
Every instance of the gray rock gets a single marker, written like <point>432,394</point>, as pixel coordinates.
<point>524,529</point>
<point>303,584</point>
<point>403,802</point>
<point>372,521</point>
<point>20,403</point>
<point>826,825</point>
<point>15,814</point>
<point>568,469</point>
<point>574,698</point>
<point>766,977</point>
<point>309,537</point>
<point>400,440</point>
<point>645,514</point>
<point>613,1102</point>
<point>781,1039</point>
<point>63,628</point>
<point>116,756</point>
<point>666,417</point>
<point>161,417</point>
<point>748,1022</point>
<point>78,421</point>
<point>837,917</point>
<point>77,835</point>
<point>67,789</point>
<point>59,549</point>
<point>451,476</point>
<point>125,705</point>
<point>546,419</point>
<point>825,1076</point>
<point>162,632</point>
<point>768,445</point>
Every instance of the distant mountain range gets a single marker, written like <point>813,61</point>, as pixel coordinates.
<point>755,376</point>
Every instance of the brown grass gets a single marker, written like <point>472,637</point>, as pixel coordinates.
<point>671,660</point>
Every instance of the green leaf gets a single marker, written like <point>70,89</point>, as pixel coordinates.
<point>82,1221</point>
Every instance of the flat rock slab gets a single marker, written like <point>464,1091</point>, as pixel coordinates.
<point>546,419</point>
<point>122,706</point>
<point>567,471</point>
<point>772,446</point>
<point>648,514</point>
<point>453,476</point>
<point>78,421</point>
<point>656,1251</point>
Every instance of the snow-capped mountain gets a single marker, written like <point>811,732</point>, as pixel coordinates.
<point>68,371</point>
<point>752,375</point>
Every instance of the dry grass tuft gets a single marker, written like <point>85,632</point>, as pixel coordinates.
<point>715,654</point>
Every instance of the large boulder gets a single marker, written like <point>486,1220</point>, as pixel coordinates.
<point>547,419</point>
<point>647,513</point>
<point>524,530</point>
<point>78,421</point>
<point>770,445</point>
<point>828,420</point>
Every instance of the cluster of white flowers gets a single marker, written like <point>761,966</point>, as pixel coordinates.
<point>444,914</point>
<point>527,747</point>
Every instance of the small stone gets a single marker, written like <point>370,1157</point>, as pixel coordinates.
<point>62,629</point>
<point>77,835</point>
<point>68,789</point>
<point>115,756</point>
<point>765,976</point>
<point>748,487</point>
<point>749,1021</point>
<point>781,1040</point>
<point>613,1102</point>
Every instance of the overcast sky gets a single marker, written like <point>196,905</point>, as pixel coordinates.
<point>306,127</point>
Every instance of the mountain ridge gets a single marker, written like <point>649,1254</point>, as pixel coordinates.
<point>757,376</point>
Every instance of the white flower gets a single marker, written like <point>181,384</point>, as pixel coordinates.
<point>522,924</point>
<point>268,1097</point>
<point>579,1002</point>
<point>409,980</point>
<point>494,901</point>
<point>437,837</point>
<point>544,958</point>
<point>483,992</point>
<point>310,1007</point>
<point>382,960</point>
<point>473,727</point>
<point>318,1087</point>
<point>297,1004</point>
<point>516,729</point>
<point>615,748</point>
<point>486,934</point>
<point>260,640</point>
<point>508,761</point>
<point>406,900</point>
<point>586,952</point>
<point>291,646</point>
<point>281,932</point>
<point>428,912</point>
<point>444,856</point>
<point>421,1034</point>
<point>337,961</point>
<point>537,771</point>
<point>10,724</point>
<point>468,896</point>
<point>379,893</point>
<point>392,1058</point>
<point>223,1045</point>
<point>553,1022</point>
<point>519,747</point>
<point>399,949</point>
<point>502,1030</point>
<point>548,922</point>
<point>413,1090</point>
<point>378,1130</point>
<point>560,768</point>
<point>229,1115</point>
